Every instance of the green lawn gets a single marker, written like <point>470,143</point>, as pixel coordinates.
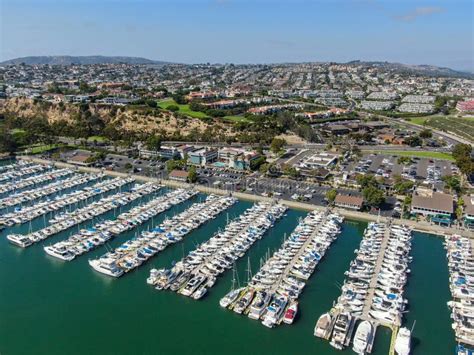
<point>415,153</point>
<point>98,139</point>
<point>43,148</point>
<point>236,119</point>
<point>184,109</point>
<point>17,131</point>
<point>418,120</point>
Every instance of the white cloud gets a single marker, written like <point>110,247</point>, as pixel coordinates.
<point>419,12</point>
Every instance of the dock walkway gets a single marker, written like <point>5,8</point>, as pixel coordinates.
<point>373,281</point>
<point>290,265</point>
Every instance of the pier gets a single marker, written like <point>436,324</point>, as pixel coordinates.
<point>300,252</point>
<point>393,339</point>
<point>373,281</point>
<point>460,289</point>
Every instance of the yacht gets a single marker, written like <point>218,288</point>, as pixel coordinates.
<point>363,338</point>
<point>230,298</point>
<point>403,341</point>
<point>19,240</point>
<point>323,326</point>
<point>107,267</point>
<point>59,252</point>
<point>341,331</point>
<point>200,292</point>
<point>274,311</point>
<point>258,304</point>
<point>244,301</point>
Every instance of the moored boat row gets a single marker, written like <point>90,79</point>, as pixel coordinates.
<point>272,294</point>
<point>461,283</point>
<point>198,271</point>
<point>136,251</point>
<point>89,239</point>
<point>83,214</point>
<point>15,166</point>
<point>34,180</point>
<point>50,189</point>
<point>372,291</point>
<point>16,172</point>
<point>24,215</point>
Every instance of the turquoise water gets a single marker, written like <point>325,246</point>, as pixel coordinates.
<point>52,307</point>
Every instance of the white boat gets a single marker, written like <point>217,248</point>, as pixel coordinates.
<point>290,313</point>
<point>107,267</point>
<point>403,341</point>
<point>200,292</point>
<point>363,337</point>
<point>60,253</point>
<point>230,297</point>
<point>19,240</point>
<point>323,326</point>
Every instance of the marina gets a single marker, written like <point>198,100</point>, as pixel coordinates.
<point>372,293</point>
<point>136,251</point>
<point>56,187</point>
<point>89,239</point>
<point>198,271</point>
<point>461,283</point>
<point>90,295</point>
<point>272,293</point>
<point>27,214</point>
<point>65,221</point>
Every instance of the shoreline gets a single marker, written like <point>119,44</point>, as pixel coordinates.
<point>423,227</point>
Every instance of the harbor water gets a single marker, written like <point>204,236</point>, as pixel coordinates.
<point>48,306</point>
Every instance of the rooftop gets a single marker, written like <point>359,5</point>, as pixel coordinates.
<point>349,200</point>
<point>434,201</point>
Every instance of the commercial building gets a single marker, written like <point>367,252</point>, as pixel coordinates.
<point>169,152</point>
<point>438,206</point>
<point>81,158</point>
<point>416,108</point>
<point>383,95</point>
<point>419,99</point>
<point>202,156</point>
<point>179,175</point>
<point>468,213</point>
<point>318,160</point>
<point>237,159</point>
<point>349,201</point>
<point>465,106</point>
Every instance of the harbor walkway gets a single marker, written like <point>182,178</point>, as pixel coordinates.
<point>416,225</point>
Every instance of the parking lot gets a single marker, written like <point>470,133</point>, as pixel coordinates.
<point>255,183</point>
<point>292,189</point>
<point>424,170</point>
<point>220,178</point>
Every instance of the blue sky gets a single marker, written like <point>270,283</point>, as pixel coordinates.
<point>243,31</point>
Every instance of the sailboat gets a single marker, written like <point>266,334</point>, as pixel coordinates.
<point>232,296</point>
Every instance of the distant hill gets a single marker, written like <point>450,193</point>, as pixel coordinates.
<point>422,69</point>
<point>68,60</point>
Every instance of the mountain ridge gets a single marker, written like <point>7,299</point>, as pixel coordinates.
<point>81,60</point>
<point>426,69</point>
